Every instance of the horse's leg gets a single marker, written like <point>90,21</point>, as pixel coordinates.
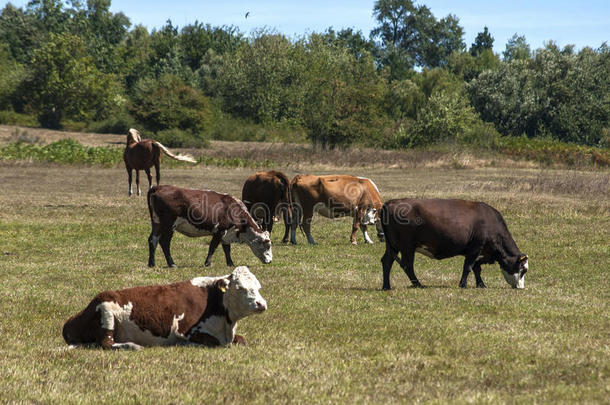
<point>138,181</point>
<point>149,178</point>
<point>129,172</point>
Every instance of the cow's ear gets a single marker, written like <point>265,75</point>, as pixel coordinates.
<point>523,258</point>
<point>222,284</point>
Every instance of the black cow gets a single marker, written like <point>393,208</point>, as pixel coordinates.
<point>445,228</point>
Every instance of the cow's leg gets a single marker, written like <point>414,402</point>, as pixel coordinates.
<point>153,240</point>
<point>468,262</point>
<point>307,229</point>
<point>367,239</point>
<point>227,250</point>
<point>165,241</point>
<point>138,181</point>
<point>149,178</point>
<point>297,215</point>
<point>213,245</point>
<point>477,275</point>
<point>355,226</point>
<point>386,262</point>
<point>407,259</point>
<point>129,174</point>
<point>286,224</point>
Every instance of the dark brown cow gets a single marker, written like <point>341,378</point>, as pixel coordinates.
<point>201,213</point>
<point>267,195</point>
<point>446,228</point>
<point>202,311</point>
<point>143,154</point>
<point>335,196</point>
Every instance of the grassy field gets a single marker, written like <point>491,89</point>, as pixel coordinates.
<point>330,334</point>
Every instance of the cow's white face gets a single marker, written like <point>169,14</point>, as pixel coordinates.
<point>517,279</point>
<point>259,242</point>
<point>242,296</point>
<point>370,217</point>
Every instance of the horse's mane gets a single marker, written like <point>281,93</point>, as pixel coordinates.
<point>133,135</point>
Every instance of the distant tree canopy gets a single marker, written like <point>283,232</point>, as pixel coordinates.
<point>411,82</point>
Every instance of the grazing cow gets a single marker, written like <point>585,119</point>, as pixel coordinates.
<point>335,196</point>
<point>266,195</point>
<point>202,311</point>
<point>446,228</point>
<point>143,154</point>
<point>201,213</point>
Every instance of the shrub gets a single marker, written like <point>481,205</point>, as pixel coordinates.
<point>178,138</point>
<point>118,123</point>
<point>14,118</point>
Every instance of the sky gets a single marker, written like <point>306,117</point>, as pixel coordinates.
<point>580,23</point>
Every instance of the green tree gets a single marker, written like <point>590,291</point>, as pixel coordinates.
<point>483,41</point>
<point>63,82</point>
<point>516,48</point>
<point>168,103</point>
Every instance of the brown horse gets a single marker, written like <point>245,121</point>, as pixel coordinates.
<point>143,154</point>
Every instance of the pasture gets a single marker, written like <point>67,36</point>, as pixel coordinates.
<point>330,334</point>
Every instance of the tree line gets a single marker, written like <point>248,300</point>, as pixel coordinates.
<point>412,81</point>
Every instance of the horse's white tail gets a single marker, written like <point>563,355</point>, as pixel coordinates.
<point>184,158</point>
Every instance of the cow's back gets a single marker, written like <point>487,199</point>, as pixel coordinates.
<point>269,187</point>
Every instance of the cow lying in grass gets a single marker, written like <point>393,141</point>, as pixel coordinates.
<point>202,311</point>
<point>446,228</point>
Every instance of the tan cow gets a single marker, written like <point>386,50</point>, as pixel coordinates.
<point>335,196</point>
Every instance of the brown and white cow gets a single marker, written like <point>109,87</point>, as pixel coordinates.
<point>267,195</point>
<point>202,311</point>
<point>335,196</point>
<point>197,213</point>
<point>445,228</point>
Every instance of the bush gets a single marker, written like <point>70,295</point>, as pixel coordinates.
<point>177,138</point>
<point>64,151</point>
<point>118,123</point>
<point>13,118</point>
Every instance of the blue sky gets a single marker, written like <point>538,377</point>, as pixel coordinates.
<point>582,23</point>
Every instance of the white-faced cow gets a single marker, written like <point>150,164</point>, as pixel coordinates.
<point>142,154</point>
<point>445,228</point>
<point>267,195</point>
<point>202,311</point>
<point>335,196</point>
<point>201,213</point>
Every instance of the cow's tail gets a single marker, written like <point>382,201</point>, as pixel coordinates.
<point>167,152</point>
<point>287,195</point>
<point>149,199</point>
<point>295,203</point>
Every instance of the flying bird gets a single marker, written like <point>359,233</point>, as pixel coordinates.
<point>247,14</point>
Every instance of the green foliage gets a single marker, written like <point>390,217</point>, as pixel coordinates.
<point>63,83</point>
<point>557,93</point>
<point>516,48</point>
<point>468,67</point>
<point>168,103</point>
<point>178,138</point>
<point>64,151</point>
<point>483,42</point>
<point>262,79</point>
<point>428,42</point>
<point>11,75</point>
<point>342,97</point>
<point>117,123</point>
<point>9,117</point>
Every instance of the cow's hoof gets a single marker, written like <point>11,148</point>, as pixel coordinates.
<point>354,243</point>
<point>207,264</point>
<point>151,265</point>
<point>418,285</point>
<point>463,285</point>
<point>386,288</point>
<point>481,285</point>
<point>172,266</point>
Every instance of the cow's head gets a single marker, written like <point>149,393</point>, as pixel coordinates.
<point>370,216</point>
<point>515,273</point>
<point>241,294</point>
<point>258,240</point>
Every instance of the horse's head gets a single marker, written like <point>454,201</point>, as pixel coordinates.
<point>133,136</point>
